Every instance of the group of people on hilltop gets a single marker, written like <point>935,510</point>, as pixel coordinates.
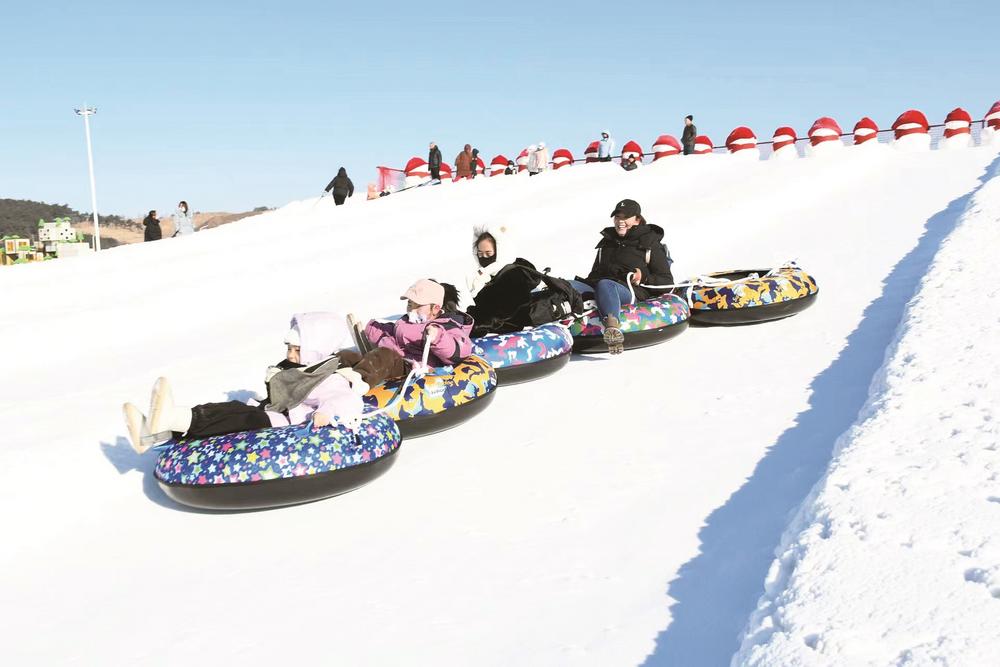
<point>467,165</point>
<point>320,383</point>
<point>183,223</point>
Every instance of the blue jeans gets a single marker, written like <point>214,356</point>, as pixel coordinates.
<point>610,295</point>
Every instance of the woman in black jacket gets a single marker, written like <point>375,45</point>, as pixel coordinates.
<point>633,246</point>
<point>152,225</point>
<point>340,187</point>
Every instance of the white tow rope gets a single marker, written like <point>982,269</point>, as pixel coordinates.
<point>709,281</point>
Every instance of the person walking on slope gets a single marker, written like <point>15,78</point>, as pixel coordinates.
<point>475,162</point>
<point>689,134</point>
<point>340,187</point>
<point>463,163</point>
<point>152,225</point>
<point>538,159</point>
<point>434,162</point>
<point>183,220</point>
<point>605,147</point>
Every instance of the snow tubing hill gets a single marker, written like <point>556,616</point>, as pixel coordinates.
<point>644,323</point>
<point>276,466</point>
<point>440,400</point>
<point>747,300</point>
<point>526,355</point>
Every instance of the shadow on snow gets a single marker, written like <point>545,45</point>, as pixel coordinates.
<point>718,589</point>
<point>125,460</point>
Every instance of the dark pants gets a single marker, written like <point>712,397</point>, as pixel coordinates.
<point>604,159</point>
<point>230,417</point>
<point>339,199</point>
<point>436,173</point>
<point>688,150</point>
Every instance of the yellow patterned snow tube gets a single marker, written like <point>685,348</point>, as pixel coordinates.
<point>746,297</point>
<point>439,400</point>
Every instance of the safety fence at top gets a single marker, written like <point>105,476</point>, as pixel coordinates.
<point>910,128</point>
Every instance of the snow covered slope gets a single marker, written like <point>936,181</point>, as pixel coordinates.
<point>895,558</point>
<point>624,510</point>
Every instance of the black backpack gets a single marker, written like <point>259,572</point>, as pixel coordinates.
<point>509,303</point>
<point>556,302</point>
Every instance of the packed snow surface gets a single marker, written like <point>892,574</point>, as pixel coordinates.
<point>622,511</point>
<point>895,557</point>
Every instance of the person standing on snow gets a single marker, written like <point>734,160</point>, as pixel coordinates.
<point>475,162</point>
<point>152,225</point>
<point>434,162</point>
<point>538,159</point>
<point>689,134</point>
<point>511,168</point>
<point>605,147</point>
<point>340,187</point>
<point>463,163</point>
<point>183,220</point>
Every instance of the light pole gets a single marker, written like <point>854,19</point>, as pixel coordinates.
<point>87,112</point>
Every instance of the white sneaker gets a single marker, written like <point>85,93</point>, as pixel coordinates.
<point>160,403</point>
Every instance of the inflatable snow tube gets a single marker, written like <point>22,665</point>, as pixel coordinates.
<point>747,299</point>
<point>273,467</point>
<point>644,323</point>
<point>526,355</point>
<point>440,400</point>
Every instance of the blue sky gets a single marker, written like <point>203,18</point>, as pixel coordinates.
<point>232,106</point>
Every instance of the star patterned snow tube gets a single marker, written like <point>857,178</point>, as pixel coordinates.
<point>440,400</point>
<point>279,466</point>
<point>644,323</point>
<point>526,355</point>
<point>747,299</point>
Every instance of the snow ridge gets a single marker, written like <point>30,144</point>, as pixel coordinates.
<point>894,559</point>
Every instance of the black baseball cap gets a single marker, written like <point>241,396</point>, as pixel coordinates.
<point>626,208</point>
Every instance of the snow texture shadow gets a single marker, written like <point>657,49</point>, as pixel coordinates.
<point>125,460</point>
<point>718,589</point>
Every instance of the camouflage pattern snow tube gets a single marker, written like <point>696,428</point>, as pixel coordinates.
<point>279,466</point>
<point>747,300</point>
<point>440,400</point>
<point>644,323</point>
<point>526,355</point>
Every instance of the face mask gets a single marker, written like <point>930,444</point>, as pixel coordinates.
<point>413,317</point>
<point>486,261</point>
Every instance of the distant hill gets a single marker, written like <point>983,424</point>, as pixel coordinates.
<point>20,217</point>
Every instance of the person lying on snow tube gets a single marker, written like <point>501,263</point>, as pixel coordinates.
<point>505,295</point>
<point>313,382</point>
<point>329,389</point>
<point>634,246</point>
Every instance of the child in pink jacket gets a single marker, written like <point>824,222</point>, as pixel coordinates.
<point>426,320</point>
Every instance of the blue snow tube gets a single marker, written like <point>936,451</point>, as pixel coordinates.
<point>279,466</point>
<point>526,355</point>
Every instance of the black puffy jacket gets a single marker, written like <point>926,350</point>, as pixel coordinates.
<point>434,157</point>
<point>341,184</point>
<point>617,256</point>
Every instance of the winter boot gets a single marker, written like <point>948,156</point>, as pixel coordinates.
<point>163,414</point>
<point>358,332</point>
<point>138,430</point>
<point>160,399</point>
<point>613,335</point>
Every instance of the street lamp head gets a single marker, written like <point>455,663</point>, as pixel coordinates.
<point>86,111</point>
